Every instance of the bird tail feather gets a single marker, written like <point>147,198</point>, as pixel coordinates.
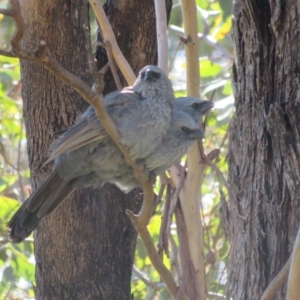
<point>46,197</point>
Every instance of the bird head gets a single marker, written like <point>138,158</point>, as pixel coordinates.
<point>153,82</point>
<point>194,107</point>
<point>185,127</point>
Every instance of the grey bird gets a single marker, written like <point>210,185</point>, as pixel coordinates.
<point>144,109</point>
<point>94,164</point>
<point>188,112</point>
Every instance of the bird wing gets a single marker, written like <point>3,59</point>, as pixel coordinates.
<point>88,128</point>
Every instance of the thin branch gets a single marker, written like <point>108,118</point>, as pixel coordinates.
<point>160,194</point>
<point>293,287</point>
<point>174,200</point>
<point>209,40</point>
<point>113,65</point>
<point>172,60</point>
<point>277,282</point>
<point>226,135</point>
<point>154,285</point>
<point>6,53</point>
<point>174,259</point>
<point>108,35</point>
<point>162,238</point>
<point>207,114</point>
<point>161,33</point>
<point>6,12</point>
<point>157,263</point>
<point>219,173</point>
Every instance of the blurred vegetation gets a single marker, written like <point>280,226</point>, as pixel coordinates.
<point>17,261</point>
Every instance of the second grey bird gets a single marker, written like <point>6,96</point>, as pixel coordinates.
<point>97,163</point>
<point>174,145</point>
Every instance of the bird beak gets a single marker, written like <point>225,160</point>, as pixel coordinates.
<point>206,106</point>
<point>196,134</point>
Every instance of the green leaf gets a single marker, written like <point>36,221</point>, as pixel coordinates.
<point>23,267</point>
<point>8,206</point>
<point>202,3</point>
<point>227,90</point>
<point>209,69</point>
<point>226,8</point>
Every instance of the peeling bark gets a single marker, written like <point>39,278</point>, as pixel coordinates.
<point>264,146</point>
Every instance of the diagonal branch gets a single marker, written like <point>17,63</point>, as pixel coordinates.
<point>109,36</point>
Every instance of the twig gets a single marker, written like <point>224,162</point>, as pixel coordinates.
<point>209,40</point>
<point>6,53</point>
<point>226,135</point>
<point>293,287</point>
<point>113,65</point>
<point>108,35</point>
<point>154,285</point>
<point>164,273</point>
<point>220,278</point>
<point>174,200</point>
<point>207,114</point>
<point>160,194</point>
<point>174,259</point>
<point>161,32</point>
<point>217,170</point>
<point>186,40</point>
<point>6,12</point>
<point>172,59</point>
<point>162,238</point>
<point>277,282</point>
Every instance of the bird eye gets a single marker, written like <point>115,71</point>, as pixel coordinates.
<point>186,130</point>
<point>196,105</point>
<point>156,75</point>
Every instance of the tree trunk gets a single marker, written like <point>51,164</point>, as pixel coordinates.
<point>264,146</point>
<point>85,248</point>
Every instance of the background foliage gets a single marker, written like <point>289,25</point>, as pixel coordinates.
<point>17,261</point>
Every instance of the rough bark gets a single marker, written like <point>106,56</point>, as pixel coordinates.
<point>264,151</point>
<point>84,249</point>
